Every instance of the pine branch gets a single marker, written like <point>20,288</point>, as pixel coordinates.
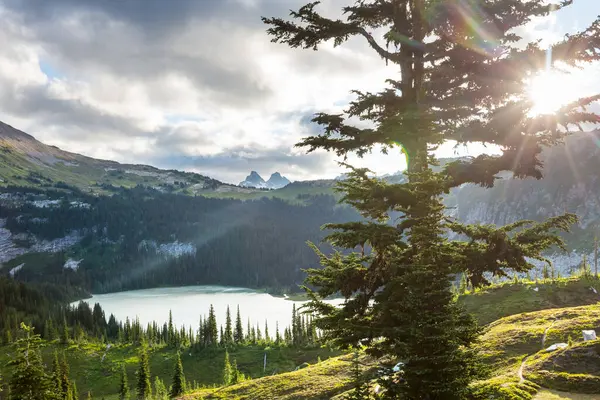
<point>318,29</point>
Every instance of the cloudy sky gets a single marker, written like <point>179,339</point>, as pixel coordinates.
<point>191,84</point>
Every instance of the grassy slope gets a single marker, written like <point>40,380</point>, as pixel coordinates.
<point>575,369</point>
<point>16,168</point>
<point>504,344</point>
<point>204,367</point>
<point>19,168</point>
<point>508,341</point>
<point>499,301</point>
<point>319,382</point>
<point>554,395</point>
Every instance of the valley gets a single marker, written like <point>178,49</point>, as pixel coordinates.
<point>136,240</point>
<point>515,317</point>
<point>124,226</point>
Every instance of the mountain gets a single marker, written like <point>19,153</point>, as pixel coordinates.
<point>254,180</point>
<point>229,229</point>
<point>25,161</point>
<point>276,181</point>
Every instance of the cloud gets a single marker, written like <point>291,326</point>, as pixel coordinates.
<point>194,84</point>
<point>255,157</point>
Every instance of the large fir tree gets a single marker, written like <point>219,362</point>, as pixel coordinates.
<point>463,75</point>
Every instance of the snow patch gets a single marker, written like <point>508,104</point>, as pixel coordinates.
<point>72,264</point>
<point>16,269</point>
<point>174,249</point>
<point>80,204</point>
<point>45,203</point>
<point>56,245</point>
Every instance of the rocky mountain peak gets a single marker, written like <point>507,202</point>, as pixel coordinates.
<point>277,181</point>
<point>254,180</point>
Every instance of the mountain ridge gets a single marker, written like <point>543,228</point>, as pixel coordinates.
<point>571,184</point>
<point>24,160</point>
<point>254,180</point>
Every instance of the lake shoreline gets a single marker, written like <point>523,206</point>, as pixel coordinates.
<point>188,304</point>
<point>291,296</point>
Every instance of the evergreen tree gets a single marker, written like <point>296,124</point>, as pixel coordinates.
<point>238,334</point>
<point>56,372</point>
<point>295,329</point>
<point>227,373</point>
<point>160,390</point>
<point>248,332</point>
<point>123,385</point>
<point>171,331</point>
<point>65,380</point>
<point>29,380</point>
<point>454,84</point>
<point>267,338</point>
<point>8,336</point>
<point>177,387</point>
<point>258,333</point>
<point>212,332</point>
<point>236,377</point>
<point>277,335</point>
<point>228,329</point>
<point>360,387</point>
<point>64,337</point>
<point>144,391</point>
<point>74,392</point>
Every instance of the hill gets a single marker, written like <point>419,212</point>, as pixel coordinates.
<point>25,161</point>
<point>498,301</point>
<point>321,381</point>
<point>47,175</point>
<point>504,345</point>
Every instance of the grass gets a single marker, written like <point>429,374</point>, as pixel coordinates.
<point>497,301</point>
<point>575,368</point>
<point>101,378</point>
<point>506,342</point>
<point>323,380</point>
<point>554,395</point>
<point>503,346</point>
<point>17,168</point>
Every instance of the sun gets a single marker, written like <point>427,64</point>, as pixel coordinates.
<point>549,90</point>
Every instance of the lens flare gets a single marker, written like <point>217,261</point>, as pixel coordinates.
<point>467,24</point>
<point>549,90</point>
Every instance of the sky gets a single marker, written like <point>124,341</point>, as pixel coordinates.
<point>196,85</point>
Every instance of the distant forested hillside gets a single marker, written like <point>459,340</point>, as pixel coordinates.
<point>142,237</point>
